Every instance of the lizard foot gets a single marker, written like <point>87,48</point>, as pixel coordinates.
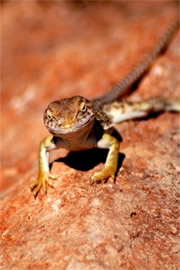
<point>104,175</point>
<point>41,182</point>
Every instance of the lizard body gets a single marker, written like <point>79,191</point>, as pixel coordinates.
<point>77,123</point>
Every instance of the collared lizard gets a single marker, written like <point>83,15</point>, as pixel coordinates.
<point>77,123</point>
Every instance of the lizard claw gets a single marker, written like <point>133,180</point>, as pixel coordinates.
<point>102,176</point>
<point>41,182</point>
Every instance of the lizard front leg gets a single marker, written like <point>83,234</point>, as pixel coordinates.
<point>42,180</point>
<point>110,168</point>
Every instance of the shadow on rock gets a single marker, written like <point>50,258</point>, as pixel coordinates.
<point>86,160</point>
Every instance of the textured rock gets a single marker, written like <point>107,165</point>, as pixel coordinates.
<point>51,51</point>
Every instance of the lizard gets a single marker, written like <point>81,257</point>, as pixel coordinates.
<point>77,123</point>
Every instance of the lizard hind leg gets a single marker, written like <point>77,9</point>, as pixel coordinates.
<point>124,110</point>
<point>110,168</point>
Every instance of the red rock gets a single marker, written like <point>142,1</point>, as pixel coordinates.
<point>50,51</point>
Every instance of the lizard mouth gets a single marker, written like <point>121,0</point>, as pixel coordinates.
<point>82,124</point>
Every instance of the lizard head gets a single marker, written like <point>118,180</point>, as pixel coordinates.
<point>69,115</point>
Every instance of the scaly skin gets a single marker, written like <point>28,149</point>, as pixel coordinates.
<point>124,110</point>
<point>77,123</point>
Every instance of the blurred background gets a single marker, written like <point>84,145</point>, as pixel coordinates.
<point>56,49</point>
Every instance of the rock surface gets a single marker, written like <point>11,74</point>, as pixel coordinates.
<point>59,49</point>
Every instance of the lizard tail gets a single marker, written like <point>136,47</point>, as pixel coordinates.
<point>125,110</point>
<point>136,73</point>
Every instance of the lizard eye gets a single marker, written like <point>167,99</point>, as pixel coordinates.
<point>49,116</point>
<point>83,107</point>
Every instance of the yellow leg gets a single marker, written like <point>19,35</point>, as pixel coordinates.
<point>43,176</point>
<point>110,167</point>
